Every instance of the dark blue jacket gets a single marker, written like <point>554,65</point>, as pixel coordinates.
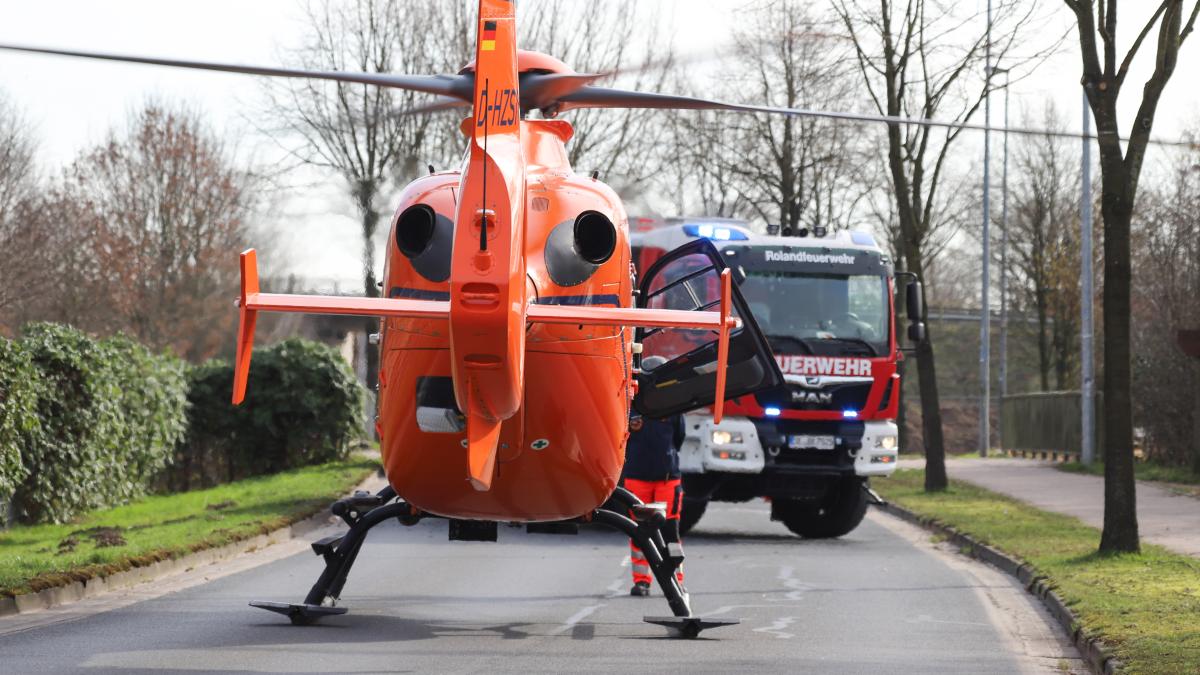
<point>653,452</point>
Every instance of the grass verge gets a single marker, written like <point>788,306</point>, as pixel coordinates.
<point>1179,479</point>
<point>168,526</point>
<point>1145,606</point>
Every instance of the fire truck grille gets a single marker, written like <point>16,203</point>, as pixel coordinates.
<point>833,397</point>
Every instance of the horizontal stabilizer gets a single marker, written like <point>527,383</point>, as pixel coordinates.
<point>722,322</point>
<point>251,302</point>
<point>628,316</point>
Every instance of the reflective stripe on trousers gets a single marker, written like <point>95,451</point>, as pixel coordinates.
<point>669,492</point>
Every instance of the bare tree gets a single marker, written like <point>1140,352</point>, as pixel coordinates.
<point>142,228</point>
<point>794,171</point>
<point>1166,382</point>
<point>354,130</point>
<point>911,68</point>
<point>1104,73</point>
<point>1043,234</point>
<point>620,37</point>
<point>20,272</point>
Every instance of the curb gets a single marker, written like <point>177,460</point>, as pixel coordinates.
<point>79,590</point>
<point>1095,653</point>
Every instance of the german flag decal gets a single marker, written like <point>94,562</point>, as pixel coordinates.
<point>487,38</point>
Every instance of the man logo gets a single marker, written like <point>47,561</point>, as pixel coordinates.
<point>819,397</point>
<point>812,381</point>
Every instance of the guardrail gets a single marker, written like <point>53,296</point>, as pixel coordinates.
<point>1047,425</point>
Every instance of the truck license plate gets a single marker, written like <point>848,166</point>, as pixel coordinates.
<point>811,442</point>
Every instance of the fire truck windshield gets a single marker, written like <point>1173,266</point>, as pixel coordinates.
<point>823,314</point>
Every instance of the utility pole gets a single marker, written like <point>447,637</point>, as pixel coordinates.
<point>985,369</point>
<point>1087,397</point>
<point>1004,265</point>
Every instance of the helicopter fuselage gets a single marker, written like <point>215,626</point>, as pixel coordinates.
<point>560,454</point>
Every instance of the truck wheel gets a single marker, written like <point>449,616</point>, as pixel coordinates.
<point>840,512</point>
<point>690,513</point>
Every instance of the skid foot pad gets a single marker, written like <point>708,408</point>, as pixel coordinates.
<point>301,615</point>
<point>690,626</point>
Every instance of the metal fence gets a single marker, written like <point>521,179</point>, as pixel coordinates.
<point>1049,422</point>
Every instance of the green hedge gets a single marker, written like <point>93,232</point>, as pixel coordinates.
<point>303,406</point>
<point>87,424</point>
<point>18,414</point>
<point>109,415</point>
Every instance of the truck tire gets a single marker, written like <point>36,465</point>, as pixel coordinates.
<point>839,513</point>
<point>690,513</point>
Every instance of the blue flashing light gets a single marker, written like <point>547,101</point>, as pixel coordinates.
<point>862,239</point>
<point>714,232</point>
<point>849,413</point>
<point>773,412</point>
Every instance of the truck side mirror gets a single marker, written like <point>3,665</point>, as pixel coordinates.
<point>915,301</point>
<point>916,332</point>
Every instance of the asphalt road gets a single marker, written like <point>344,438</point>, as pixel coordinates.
<point>883,599</point>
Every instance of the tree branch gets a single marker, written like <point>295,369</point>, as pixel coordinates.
<point>1133,49</point>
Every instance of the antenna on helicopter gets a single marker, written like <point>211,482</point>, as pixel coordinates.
<point>483,208</point>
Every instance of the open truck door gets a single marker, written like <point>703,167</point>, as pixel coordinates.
<point>679,367</point>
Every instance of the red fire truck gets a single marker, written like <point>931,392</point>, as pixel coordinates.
<point>811,445</point>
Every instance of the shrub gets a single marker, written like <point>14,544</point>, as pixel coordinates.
<point>18,413</point>
<point>151,399</point>
<point>304,406</point>
<point>66,459</point>
<point>110,413</point>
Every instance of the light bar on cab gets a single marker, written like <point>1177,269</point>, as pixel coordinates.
<point>714,232</point>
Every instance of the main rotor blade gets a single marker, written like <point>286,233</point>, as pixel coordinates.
<point>436,105</point>
<point>600,97</point>
<point>457,86</point>
<point>544,90</point>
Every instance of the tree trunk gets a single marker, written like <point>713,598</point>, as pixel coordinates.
<point>931,419</point>
<point>931,412</point>
<point>1120,499</point>
<point>365,195</point>
<point>1043,341</point>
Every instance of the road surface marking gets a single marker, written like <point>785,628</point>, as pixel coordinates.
<point>777,627</point>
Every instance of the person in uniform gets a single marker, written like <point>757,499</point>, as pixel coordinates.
<point>652,473</point>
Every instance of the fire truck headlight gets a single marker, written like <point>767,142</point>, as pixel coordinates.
<point>726,437</point>
<point>886,442</point>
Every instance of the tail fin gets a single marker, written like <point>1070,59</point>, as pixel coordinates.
<point>487,280</point>
<point>497,98</point>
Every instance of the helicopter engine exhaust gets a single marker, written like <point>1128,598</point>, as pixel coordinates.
<point>595,237</point>
<point>414,230</point>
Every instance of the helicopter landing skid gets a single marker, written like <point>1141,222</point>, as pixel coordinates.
<point>300,615</point>
<point>364,511</point>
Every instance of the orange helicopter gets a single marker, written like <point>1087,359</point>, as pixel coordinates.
<point>509,364</point>
<point>508,357</point>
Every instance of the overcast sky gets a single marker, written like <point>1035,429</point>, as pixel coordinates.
<point>72,103</point>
